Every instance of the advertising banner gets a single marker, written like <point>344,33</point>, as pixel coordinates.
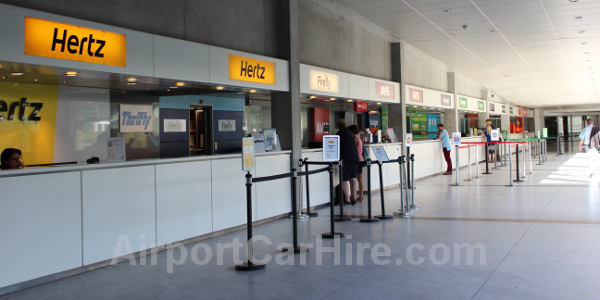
<point>248,157</point>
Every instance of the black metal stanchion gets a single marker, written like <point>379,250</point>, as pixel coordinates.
<point>332,234</point>
<point>342,217</point>
<point>249,265</point>
<point>308,212</point>
<point>487,157</point>
<point>408,175</point>
<point>517,168</point>
<point>383,216</point>
<point>539,152</point>
<point>413,207</point>
<point>558,145</point>
<point>369,218</point>
<point>295,247</point>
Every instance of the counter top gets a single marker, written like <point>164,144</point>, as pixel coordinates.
<point>125,164</point>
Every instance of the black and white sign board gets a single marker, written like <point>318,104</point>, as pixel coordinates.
<point>380,153</point>
<point>331,148</point>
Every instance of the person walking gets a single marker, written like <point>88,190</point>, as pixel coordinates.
<point>359,149</point>
<point>349,157</point>
<point>585,136</point>
<point>446,147</point>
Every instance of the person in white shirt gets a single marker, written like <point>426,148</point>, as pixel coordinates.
<point>584,137</point>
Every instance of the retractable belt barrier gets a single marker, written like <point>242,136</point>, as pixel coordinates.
<point>249,265</point>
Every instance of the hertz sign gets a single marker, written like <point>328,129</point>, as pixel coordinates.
<point>251,70</point>
<point>63,41</point>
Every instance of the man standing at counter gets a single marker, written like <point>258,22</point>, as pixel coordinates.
<point>349,156</point>
<point>446,147</point>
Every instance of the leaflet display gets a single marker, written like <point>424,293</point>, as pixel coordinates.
<point>380,153</point>
<point>331,148</point>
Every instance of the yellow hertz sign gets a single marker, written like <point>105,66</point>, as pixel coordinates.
<point>251,70</point>
<point>63,41</point>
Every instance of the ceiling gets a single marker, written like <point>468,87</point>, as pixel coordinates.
<point>535,53</point>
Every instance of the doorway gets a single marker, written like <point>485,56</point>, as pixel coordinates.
<point>201,130</point>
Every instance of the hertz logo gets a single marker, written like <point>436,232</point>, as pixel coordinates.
<point>11,109</point>
<point>63,41</point>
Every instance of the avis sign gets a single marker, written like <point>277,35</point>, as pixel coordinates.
<point>136,118</point>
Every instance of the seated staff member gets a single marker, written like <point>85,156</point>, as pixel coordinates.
<point>446,147</point>
<point>11,159</point>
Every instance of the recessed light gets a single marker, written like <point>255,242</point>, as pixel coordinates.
<point>350,100</point>
<point>220,88</point>
<point>35,79</point>
<point>252,91</point>
<point>168,90</point>
<point>17,74</point>
<point>131,79</point>
<point>71,73</point>
<point>180,83</point>
<point>378,103</point>
<point>312,97</point>
<point>332,99</point>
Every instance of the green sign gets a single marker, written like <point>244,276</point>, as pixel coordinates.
<point>384,119</point>
<point>481,105</point>
<point>504,135</point>
<point>545,132</point>
<point>463,102</point>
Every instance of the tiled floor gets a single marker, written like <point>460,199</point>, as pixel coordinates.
<point>541,240</point>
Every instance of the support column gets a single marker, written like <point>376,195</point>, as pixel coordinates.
<point>452,117</point>
<point>285,106</point>
<point>397,112</point>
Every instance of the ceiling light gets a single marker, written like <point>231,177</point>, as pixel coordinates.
<point>131,79</point>
<point>180,83</point>
<point>350,100</point>
<point>17,74</point>
<point>71,73</point>
<point>3,77</point>
<point>168,90</point>
<point>252,91</point>
<point>220,88</point>
<point>332,99</point>
<point>35,79</point>
<point>378,103</point>
<point>312,97</point>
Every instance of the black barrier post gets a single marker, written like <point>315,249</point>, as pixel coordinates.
<point>369,218</point>
<point>408,175</point>
<point>332,234</point>
<point>383,216</point>
<point>517,157</point>
<point>308,212</point>
<point>296,248</point>
<point>487,157</point>
<point>412,184</point>
<point>249,265</point>
<point>341,217</point>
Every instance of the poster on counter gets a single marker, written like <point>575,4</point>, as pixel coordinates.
<point>495,135</point>
<point>116,149</point>
<point>259,143</point>
<point>331,148</point>
<point>136,118</point>
<point>456,138</point>
<point>380,153</point>
<point>408,138</point>
<point>248,157</point>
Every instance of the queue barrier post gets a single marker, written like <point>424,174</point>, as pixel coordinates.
<point>457,167</point>
<point>524,166</point>
<point>529,145</point>
<point>332,233</point>
<point>408,174</point>
<point>249,265</point>
<point>369,218</point>
<point>518,169</point>
<point>308,212</point>
<point>383,216</point>
<point>470,163</point>
<point>558,145</point>
<point>341,217</point>
<point>295,247</point>
<point>545,149</point>
<point>414,208</point>
<point>510,175</point>
<point>403,211</point>
<point>487,163</point>
<point>539,149</point>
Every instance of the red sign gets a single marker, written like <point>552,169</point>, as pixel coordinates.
<point>415,95</point>
<point>524,112</point>
<point>361,106</point>
<point>385,90</point>
<point>318,123</point>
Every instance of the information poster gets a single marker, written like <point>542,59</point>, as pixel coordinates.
<point>391,134</point>
<point>408,138</point>
<point>456,138</point>
<point>116,149</point>
<point>545,133</point>
<point>380,153</point>
<point>248,158</point>
<point>419,125</point>
<point>495,135</point>
<point>331,148</point>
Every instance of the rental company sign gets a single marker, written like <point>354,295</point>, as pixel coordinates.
<point>63,41</point>
<point>251,70</point>
<point>136,118</point>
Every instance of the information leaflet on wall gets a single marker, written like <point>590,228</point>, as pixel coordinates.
<point>116,149</point>
<point>248,157</point>
<point>259,143</point>
<point>331,148</point>
<point>495,135</point>
<point>380,153</point>
<point>391,134</point>
<point>408,138</point>
<point>456,138</point>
